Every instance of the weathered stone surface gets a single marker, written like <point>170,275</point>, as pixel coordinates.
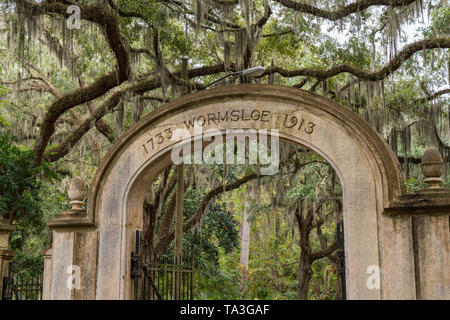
<point>73,255</point>
<point>70,219</point>
<point>432,168</point>
<point>432,164</point>
<point>109,265</point>
<point>429,211</point>
<point>46,286</point>
<point>5,231</point>
<point>77,193</point>
<point>62,259</point>
<point>433,257</point>
<point>396,245</point>
<point>368,171</point>
<point>423,202</point>
<point>85,247</point>
<point>6,256</point>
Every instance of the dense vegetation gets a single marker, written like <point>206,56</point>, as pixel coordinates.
<point>68,93</point>
<point>28,198</point>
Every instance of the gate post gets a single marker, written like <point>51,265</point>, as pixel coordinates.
<point>6,256</point>
<point>47,277</point>
<point>71,275</point>
<point>430,212</point>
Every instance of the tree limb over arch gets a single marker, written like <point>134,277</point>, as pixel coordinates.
<point>68,101</point>
<point>108,106</point>
<point>196,217</point>
<point>334,15</point>
<point>96,14</point>
<point>380,74</point>
<point>116,42</point>
<point>433,96</point>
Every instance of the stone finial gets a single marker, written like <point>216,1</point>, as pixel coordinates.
<point>432,168</point>
<point>77,193</point>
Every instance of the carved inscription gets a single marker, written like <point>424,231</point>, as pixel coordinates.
<point>307,126</point>
<point>157,139</point>
<point>229,116</point>
<point>215,118</point>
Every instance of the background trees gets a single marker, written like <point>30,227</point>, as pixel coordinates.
<point>72,92</point>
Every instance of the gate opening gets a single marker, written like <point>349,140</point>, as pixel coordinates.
<point>300,207</point>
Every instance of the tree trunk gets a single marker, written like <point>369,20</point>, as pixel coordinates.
<point>304,275</point>
<point>178,249</point>
<point>245,238</point>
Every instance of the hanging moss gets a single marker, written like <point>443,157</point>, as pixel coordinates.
<point>240,44</point>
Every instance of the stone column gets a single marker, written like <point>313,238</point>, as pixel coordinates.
<point>430,210</point>
<point>432,252</point>
<point>432,234</point>
<point>6,256</point>
<point>74,251</point>
<point>47,274</point>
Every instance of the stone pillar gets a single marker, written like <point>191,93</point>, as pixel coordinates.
<point>6,256</point>
<point>74,252</point>
<point>430,211</point>
<point>47,274</point>
<point>432,235</point>
<point>432,251</point>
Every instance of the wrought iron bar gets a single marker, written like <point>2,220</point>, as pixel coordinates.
<point>341,258</point>
<point>19,285</point>
<point>157,280</point>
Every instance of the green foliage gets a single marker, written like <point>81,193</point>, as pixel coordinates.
<point>32,236</point>
<point>3,121</point>
<point>220,224</point>
<point>216,239</point>
<point>324,281</point>
<point>24,193</point>
<point>19,187</point>
<point>413,185</point>
<point>272,270</point>
<point>440,23</point>
<point>218,232</point>
<point>3,103</point>
<point>218,281</point>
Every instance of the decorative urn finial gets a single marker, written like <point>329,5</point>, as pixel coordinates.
<point>77,193</point>
<point>432,168</point>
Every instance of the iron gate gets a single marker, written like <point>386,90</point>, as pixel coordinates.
<point>22,286</point>
<point>341,258</point>
<point>161,281</point>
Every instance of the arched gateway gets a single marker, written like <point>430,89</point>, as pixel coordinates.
<point>100,241</point>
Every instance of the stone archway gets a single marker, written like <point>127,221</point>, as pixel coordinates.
<point>100,240</point>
